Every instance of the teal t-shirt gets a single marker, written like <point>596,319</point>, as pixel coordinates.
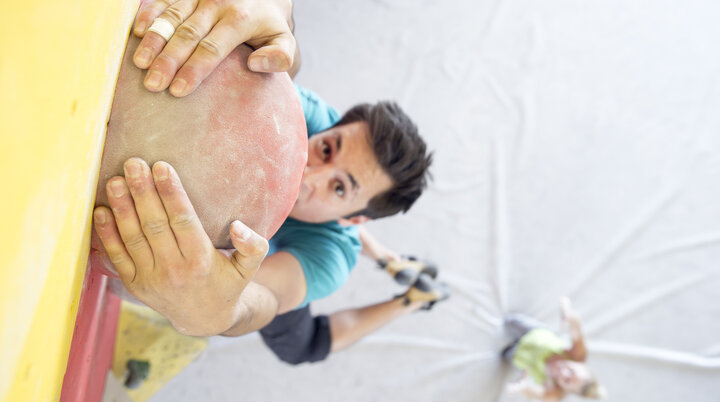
<point>326,251</point>
<point>319,116</point>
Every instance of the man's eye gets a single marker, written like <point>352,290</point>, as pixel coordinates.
<point>325,149</point>
<point>339,189</point>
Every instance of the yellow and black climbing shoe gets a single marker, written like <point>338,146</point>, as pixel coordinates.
<point>408,269</point>
<point>428,290</point>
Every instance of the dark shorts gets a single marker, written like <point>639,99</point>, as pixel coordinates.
<point>298,337</point>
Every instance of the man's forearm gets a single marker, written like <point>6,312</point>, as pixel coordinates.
<point>256,308</point>
<point>207,320</point>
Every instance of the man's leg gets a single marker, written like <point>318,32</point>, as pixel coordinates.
<point>349,326</point>
<point>297,336</point>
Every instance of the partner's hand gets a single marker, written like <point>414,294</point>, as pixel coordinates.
<point>205,33</point>
<point>164,257</point>
<point>566,311</point>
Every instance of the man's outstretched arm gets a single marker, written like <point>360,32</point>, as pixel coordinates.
<point>278,287</point>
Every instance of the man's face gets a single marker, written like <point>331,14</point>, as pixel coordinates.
<point>341,176</point>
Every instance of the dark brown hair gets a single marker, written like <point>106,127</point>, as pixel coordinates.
<point>399,150</point>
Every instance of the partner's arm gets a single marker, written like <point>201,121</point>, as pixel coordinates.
<point>578,350</point>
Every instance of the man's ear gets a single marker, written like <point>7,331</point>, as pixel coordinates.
<point>355,220</point>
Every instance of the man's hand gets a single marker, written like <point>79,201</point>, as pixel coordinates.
<point>205,33</point>
<point>164,257</point>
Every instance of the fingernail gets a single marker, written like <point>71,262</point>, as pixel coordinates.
<point>240,231</point>
<point>160,171</point>
<point>140,27</point>
<point>133,169</point>
<point>117,188</point>
<point>154,79</point>
<point>260,64</point>
<point>143,57</point>
<point>178,87</point>
<point>100,216</point>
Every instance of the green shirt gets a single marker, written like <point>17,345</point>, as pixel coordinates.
<point>533,350</point>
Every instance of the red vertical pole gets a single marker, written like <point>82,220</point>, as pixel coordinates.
<point>91,350</point>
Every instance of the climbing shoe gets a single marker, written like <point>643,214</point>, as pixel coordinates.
<point>408,269</point>
<point>426,289</point>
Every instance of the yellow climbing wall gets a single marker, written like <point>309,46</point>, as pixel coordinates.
<point>58,66</point>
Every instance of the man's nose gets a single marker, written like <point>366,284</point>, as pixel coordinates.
<point>314,173</point>
<point>314,177</point>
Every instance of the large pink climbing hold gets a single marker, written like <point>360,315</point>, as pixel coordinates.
<point>238,143</point>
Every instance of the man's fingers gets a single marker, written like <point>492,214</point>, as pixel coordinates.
<point>187,53</point>
<point>150,10</point>
<point>110,237</point>
<point>183,43</point>
<point>275,56</point>
<point>128,223</point>
<point>210,51</point>
<point>150,211</point>
<point>153,43</point>
<point>250,248</point>
<point>189,233</point>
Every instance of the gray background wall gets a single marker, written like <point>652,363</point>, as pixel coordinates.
<point>576,153</point>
